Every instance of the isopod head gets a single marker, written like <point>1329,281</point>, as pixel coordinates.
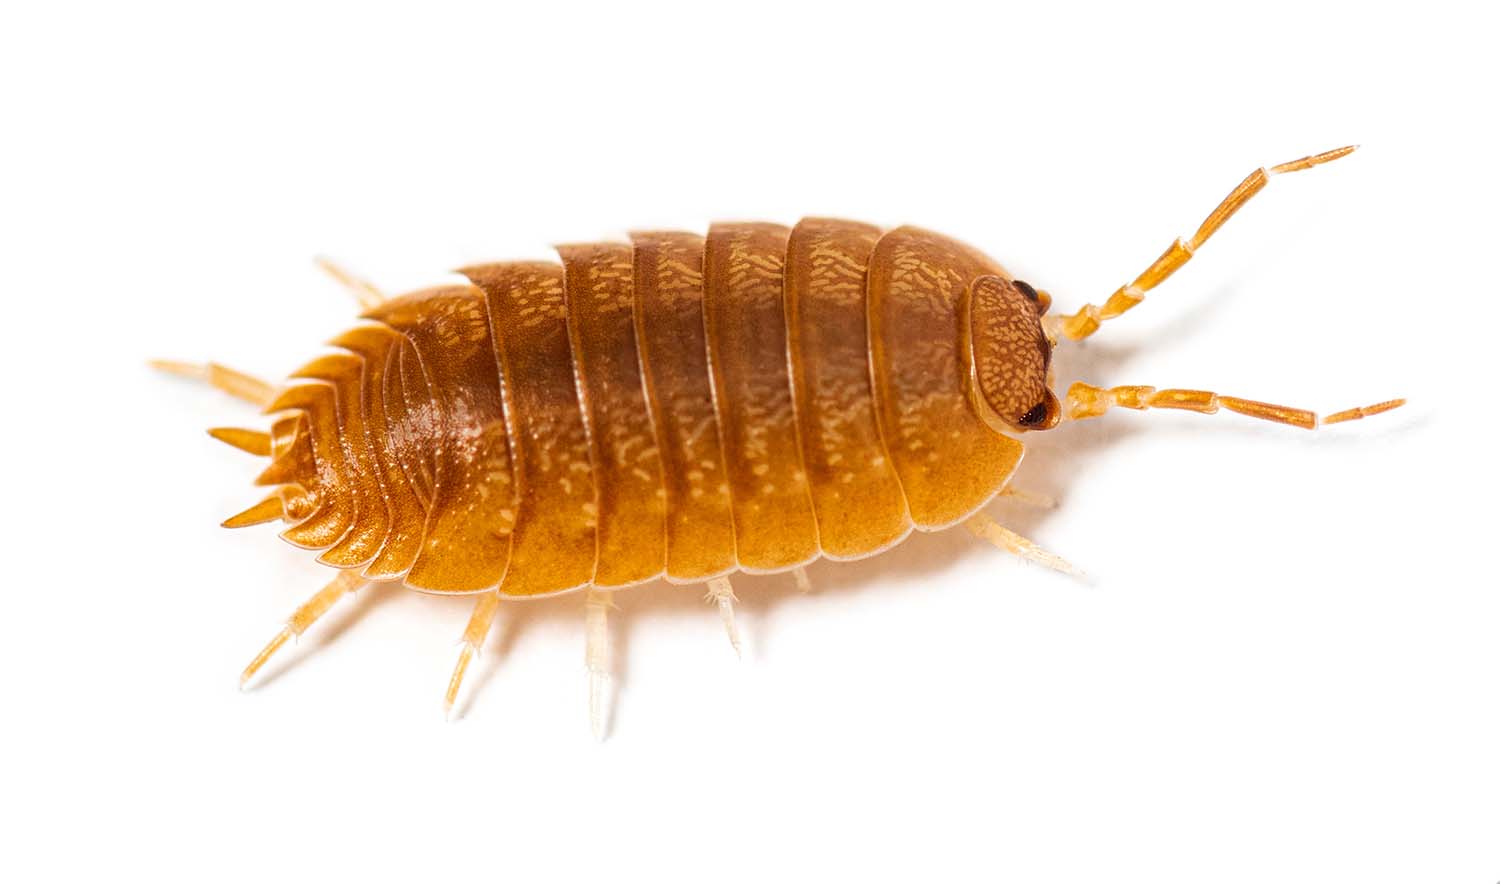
<point>1010,355</point>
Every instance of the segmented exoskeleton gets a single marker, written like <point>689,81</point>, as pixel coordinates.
<point>678,407</point>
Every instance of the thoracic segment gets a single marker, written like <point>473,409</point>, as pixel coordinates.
<point>674,406</point>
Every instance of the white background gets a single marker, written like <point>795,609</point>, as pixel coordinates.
<point>1286,666</point>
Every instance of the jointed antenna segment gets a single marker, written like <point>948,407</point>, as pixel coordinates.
<point>1354,414</point>
<point>1086,401</point>
<point>1086,321</point>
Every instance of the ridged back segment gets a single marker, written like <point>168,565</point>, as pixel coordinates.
<point>378,346</point>
<point>414,421</point>
<point>856,494</point>
<point>343,373</point>
<point>328,483</point>
<point>292,460</point>
<point>293,468</point>
<point>632,533</point>
<point>948,460</point>
<point>674,358</point>
<point>461,425</point>
<point>745,318</point>
<point>555,528</point>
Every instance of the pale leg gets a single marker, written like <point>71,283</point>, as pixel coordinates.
<point>473,640</point>
<point>596,605</point>
<point>1002,537</point>
<point>804,583</point>
<point>1037,500</point>
<point>722,594</point>
<point>305,616</point>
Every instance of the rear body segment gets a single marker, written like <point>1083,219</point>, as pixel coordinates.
<point>454,426</point>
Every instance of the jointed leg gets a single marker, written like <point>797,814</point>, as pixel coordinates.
<point>596,605</point>
<point>366,294</point>
<point>1085,401</point>
<point>473,640</point>
<point>1026,497</point>
<point>235,383</point>
<point>1086,321</point>
<point>722,594</point>
<point>305,616</point>
<point>1002,537</point>
<point>804,583</point>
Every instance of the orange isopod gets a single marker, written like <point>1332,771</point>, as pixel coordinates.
<point>679,407</point>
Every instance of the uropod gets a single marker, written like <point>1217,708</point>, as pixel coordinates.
<point>679,407</point>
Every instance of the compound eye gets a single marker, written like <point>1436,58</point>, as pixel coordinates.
<point>1041,299</point>
<point>1036,416</point>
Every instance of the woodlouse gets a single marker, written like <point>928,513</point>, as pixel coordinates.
<point>679,407</point>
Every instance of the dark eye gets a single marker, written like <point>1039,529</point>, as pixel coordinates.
<point>1037,415</point>
<point>1026,290</point>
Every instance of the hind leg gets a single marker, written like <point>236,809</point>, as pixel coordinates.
<point>305,616</point>
<point>473,640</point>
